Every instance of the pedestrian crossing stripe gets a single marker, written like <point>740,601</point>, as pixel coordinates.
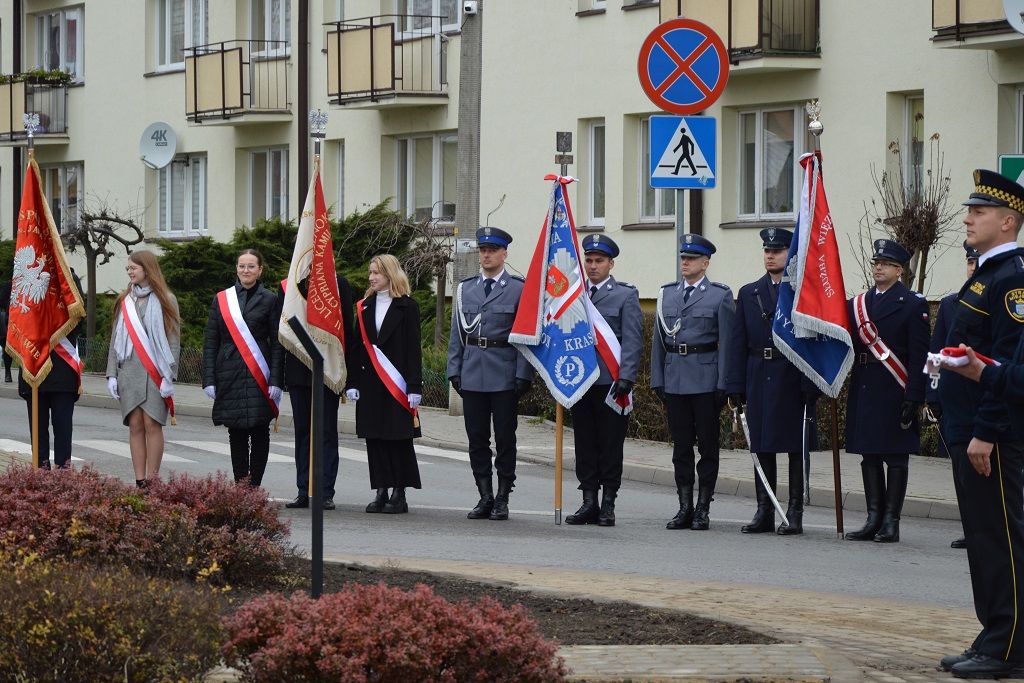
<point>683,152</point>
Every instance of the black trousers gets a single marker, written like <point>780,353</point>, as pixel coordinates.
<point>480,410</point>
<point>693,418</point>
<point>897,460</point>
<point>598,434</point>
<point>302,407</point>
<point>56,408</point>
<point>250,450</point>
<point>992,511</point>
<point>392,464</point>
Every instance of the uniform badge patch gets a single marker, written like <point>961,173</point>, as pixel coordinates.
<point>978,288</point>
<point>1015,304</point>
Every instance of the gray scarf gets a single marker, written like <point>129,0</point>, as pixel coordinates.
<point>153,322</point>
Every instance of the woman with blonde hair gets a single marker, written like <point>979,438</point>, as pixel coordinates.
<point>386,381</point>
<point>143,360</point>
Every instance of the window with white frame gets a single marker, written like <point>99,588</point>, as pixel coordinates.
<point>180,24</point>
<point>60,41</point>
<point>913,150</point>
<point>268,184</point>
<point>432,15</point>
<point>426,174</point>
<point>340,210</point>
<point>597,173</point>
<point>656,206</point>
<point>270,21</point>
<point>182,197</point>
<point>63,185</point>
<point>769,148</point>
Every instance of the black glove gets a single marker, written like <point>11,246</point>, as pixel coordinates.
<point>720,398</point>
<point>660,393</point>
<point>456,383</point>
<point>622,388</point>
<point>522,387</point>
<point>737,400</point>
<point>935,408</point>
<point>908,414</point>
<point>810,398</point>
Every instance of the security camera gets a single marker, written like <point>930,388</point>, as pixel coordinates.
<point>469,7</point>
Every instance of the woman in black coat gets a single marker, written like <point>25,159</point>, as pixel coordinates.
<point>388,321</point>
<point>241,402</point>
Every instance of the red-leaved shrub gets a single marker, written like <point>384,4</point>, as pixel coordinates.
<point>377,634</point>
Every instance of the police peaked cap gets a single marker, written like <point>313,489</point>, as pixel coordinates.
<point>493,237</point>
<point>971,251</point>
<point>600,244</point>
<point>776,238</point>
<point>995,189</point>
<point>889,250</point>
<point>695,245</point>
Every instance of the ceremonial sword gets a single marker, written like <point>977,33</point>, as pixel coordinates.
<point>738,411</point>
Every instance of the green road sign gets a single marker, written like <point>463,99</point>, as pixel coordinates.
<point>1012,166</point>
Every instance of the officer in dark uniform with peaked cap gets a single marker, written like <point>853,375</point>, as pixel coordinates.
<point>688,369</point>
<point>489,373</point>
<point>773,389</point>
<point>599,430</point>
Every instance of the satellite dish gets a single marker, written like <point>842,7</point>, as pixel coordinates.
<point>157,145</point>
<point>1014,11</point>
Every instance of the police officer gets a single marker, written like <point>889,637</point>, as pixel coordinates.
<point>599,429</point>
<point>890,343</point>
<point>688,370</point>
<point>489,373</point>
<point>774,390</point>
<point>985,444</point>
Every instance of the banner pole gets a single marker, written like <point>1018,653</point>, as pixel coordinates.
<point>559,415</point>
<point>35,427</point>
<point>837,475</point>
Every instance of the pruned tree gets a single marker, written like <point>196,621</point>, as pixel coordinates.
<point>429,255</point>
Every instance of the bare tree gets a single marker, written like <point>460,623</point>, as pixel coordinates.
<point>429,255</point>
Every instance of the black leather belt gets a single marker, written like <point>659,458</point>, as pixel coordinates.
<point>867,358</point>
<point>771,353</point>
<point>484,342</point>
<point>687,349</point>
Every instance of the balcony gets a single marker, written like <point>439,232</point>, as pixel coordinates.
<point>973,24</point>
<point>762,36</point>
<point>388,61</point>
<point>49,100</point>
<point>237,82</point>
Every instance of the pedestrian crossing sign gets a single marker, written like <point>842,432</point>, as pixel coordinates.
<point>682,152</point>
<point>1012,166</point>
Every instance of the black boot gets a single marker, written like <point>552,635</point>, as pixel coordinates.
<point>486,504</point>
<point>397,504</point>
<point>607,516</point>
<point>895,492</point>
<point>7,375</point>
<point>378,503</point>
<point>683,518</point>
<point>764,517</point>
<point>701,521</point>
<point>795,513</point>
<point>588,512</point>
<point>500,511</point>
<point>874,496</point>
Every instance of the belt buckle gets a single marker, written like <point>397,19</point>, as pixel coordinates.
<point>681,349</point>
<point>481,342</point>
<point>768,354</point>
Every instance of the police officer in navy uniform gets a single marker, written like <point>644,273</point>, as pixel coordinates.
<point>882,411</point>
<point>694,320</point>
<point>598,430</point>
<point>986,444</point>
<point>489,373</point>
<point>773,389</point>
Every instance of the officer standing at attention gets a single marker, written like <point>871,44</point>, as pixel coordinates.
<point>890,344</point>
<point>694,320</point>
<point>487,372</point>
<point>599,430</point>
<point>986,445</point>
<point>773,389</point>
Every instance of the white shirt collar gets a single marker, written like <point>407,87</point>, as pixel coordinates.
<point>995,251</point>
<point>497,278</point>
<point>600,285</point>
<point>698,284</point>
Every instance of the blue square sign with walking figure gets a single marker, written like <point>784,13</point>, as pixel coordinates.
<point>683,153</point>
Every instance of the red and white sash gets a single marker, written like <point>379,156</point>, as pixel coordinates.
<point>69,352</point>
<point>611,353</point>
<point>386,370</point>
<point>143,348</point>
<point>254,359</point>
<point>868,333</point>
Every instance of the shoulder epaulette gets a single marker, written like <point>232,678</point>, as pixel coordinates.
<point>720,285</point>
<point>471,277</point>
<point>625,284</point>
<point>919,295</point>
<point>518,277</point>
<point>671,284</point>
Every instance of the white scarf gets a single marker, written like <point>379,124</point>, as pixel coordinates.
<point>153,321</point>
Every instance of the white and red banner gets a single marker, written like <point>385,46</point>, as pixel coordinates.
<point>868,334</point>
<point>246,344</point>
<point>143,347</point>
<point>386,370</point>
<point>610,351</point>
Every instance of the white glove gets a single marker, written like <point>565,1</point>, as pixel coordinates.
<point>211,392</point>
<point>414,401</point>
<point>112,386</point>
<point>166,388</point>
<point>275,393</point>
<point>352,394</point>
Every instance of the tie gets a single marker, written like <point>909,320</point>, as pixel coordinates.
<point>488,286</point>
<point>593,291</point>
<point>687,293</point>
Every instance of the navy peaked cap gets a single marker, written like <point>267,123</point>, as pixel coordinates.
<point>695,245</point>
<point>995,189</point>
<point>971,251</point>
<point>601,244</point>
<point>494,237</point>
<point>890,250</point>
<point>776,238</point>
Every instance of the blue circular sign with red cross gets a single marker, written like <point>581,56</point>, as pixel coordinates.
<point>683,66</point>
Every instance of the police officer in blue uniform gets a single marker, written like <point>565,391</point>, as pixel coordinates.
<point>599,430</point>
<point>890,343</point>
<point>489,373</point>
<point>985,441</point>
<point>773,389</point>
<point>693,322</point>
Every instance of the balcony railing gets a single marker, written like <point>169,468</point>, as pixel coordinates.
<point>962,19</point>
<point>236,77</point>
<point>752,29</point>
<point>386,57</point>
<point>19,97</point>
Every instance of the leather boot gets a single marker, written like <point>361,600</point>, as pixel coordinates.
<point>588,512</point>
<point>486,504</point>
<point>397,505</point>
<point>7,375</point>
<point>607,516</point>
<point>795,513</point>
<point>377,504</point>
<point>683,518</point>
<point>500,511</point>
<point>874,496</point>
<point>701,521</point>
<point>895,492</point>
<point>764,517</point>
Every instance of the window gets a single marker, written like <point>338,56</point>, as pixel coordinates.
<point>768,171</point>
<point>913,150</point>
<point>597,173</point>
<point>430,15</point>
<point>426,176</point>
<point>63,185</point>
<point>271,22</point>
<point>60,41</point>
<point>268,184</point>
<point>182,197</point>
<point>657,206</point>
<point>340,210</point>
<point>180,24</point>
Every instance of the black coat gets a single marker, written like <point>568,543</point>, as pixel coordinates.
<point>240,403</point>
<point>378,414</point>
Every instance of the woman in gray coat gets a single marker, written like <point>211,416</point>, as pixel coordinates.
<point>143,360</point>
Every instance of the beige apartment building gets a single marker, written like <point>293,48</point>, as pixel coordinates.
<point>193,113</point>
